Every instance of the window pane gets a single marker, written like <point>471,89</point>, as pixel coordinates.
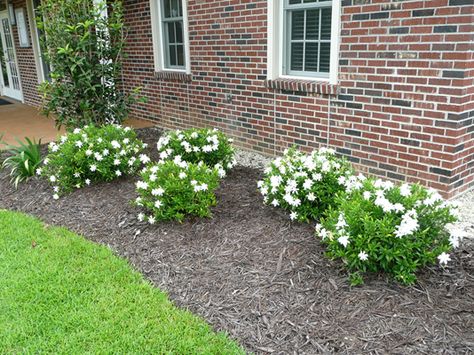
<point>172,51</point>
<point>326,23</point>
<point>311,57</point>
<point>175,8</point>
<point>179,32</point>
<point>180,49</point>
<point>325,54</point>
<point>309,1</point>
<point>171,33</point>
<point>297,56</point>
<point>297,25</point>
<point>292,2</point>
<point>167,8</point>
<point>312,24</point>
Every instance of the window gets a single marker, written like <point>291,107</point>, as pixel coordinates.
<point>170,35</point>
<point>303,39</point>
<point>42,66</point>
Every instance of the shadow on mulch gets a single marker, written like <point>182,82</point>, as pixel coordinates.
<point>264,280</point>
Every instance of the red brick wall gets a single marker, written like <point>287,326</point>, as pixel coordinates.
<point>405,105</point>
<point>26,62</point>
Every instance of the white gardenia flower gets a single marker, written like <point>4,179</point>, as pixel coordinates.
<point>79,144</point>
<point>56,196</point>
<point>311,197</point>
<point>105,152</point>
<point>76,131</point>
<point>275,180</point>
<point>344,240</point>
<point>52,178</point>
<point>264,190</point>
<point>363,256</point>
<point>118,173</point>
<point>367,195</point>
<point>98,157</point>
<point>153,177</point>
<point>115,144</point>
<point>341,223</point>
<point>308,183</point>
<point>291,187</point>
<point>141,217</point>
<point>117,162</point>
<point>194,135</point>
<point>405,190</point>
<point>221,173</point>
<point>260,184</point>
<point>158,192</point>
<point>144,158</point>
<point>194,182</point>
<point>432,198</point>
<point>204,187</point>
<point>182,175</point>
<point>456,236</point>
<point>39,171</point>
<point>143,185</point>
<point>275,203</point>
<point>158,204</point>
<point>54,147</point>
<point>46,161</point>
<point>89,152</point>
<point>93,167</point>
<point>88,182</point>
<point>408,225</point>
<point>77,175</point>
<point>341,180</point>
<point>317,177</point>
<point>444,258</point>
<point>293,216</point>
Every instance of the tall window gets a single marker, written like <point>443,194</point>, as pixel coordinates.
<point>172,18</point>
<point>43,67</point>
<point>303,38</point>
<point>170,35</point>
<point>308,37</point>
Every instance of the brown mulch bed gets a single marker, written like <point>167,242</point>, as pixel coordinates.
<point>250,272</point>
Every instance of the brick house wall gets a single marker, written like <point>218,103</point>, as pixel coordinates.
<point>403,109</point>
<point>26,62</point>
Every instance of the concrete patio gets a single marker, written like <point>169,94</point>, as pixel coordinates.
<point>18,121</point>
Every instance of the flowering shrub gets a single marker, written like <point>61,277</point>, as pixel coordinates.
<point>171,189</point>
<point>379,226</point>
<point>194,145</point>
<point>304,184</point>
<point>92,154</point>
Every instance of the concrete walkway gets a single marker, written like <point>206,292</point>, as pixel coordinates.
<point>19,121</point>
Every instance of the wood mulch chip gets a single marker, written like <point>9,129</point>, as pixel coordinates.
<point>250,272</point>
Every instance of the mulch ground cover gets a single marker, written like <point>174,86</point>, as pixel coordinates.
<point>265,281</point>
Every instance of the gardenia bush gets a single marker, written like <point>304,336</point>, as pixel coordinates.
<point>172,189</point>
<point>92,154</point>
<point>379,226</point>
<point>210,146</point>
<point>304,184</point>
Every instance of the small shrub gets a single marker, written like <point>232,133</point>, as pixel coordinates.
<point>172,189</point>
<point>23,160</point>
<point>379,226</point>
<point>304,184</point>
<point>210,146</point>
<point>92,154</point>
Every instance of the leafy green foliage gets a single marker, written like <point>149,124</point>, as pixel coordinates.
<point>23,160</point>
<point>85,50</point>
<point>304,184</point>
<point>210,146</point>
<point>62,294</point>
<point>92,154</point>
<point>376,226</point>
<point>172,189</point>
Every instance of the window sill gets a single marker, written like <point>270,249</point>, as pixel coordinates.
<point>174,75</point>
<point>302,85</point>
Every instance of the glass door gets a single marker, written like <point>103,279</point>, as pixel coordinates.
<point>10,76</point>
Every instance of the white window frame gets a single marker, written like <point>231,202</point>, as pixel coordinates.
<point>276,45</point>
<point>159,42</point>
<point>35,42</point>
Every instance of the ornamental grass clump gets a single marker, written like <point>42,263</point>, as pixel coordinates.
<point>381,227</point>
<point>303,184</point>
<point>210,146</point>
<point>172,189</point>
<point>92,154</point>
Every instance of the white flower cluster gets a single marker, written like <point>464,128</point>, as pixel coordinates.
<point>196,144</point>
<point>156,196</point>
<point>397,201</point>
<point>295,178</point>
<point>92,157</point>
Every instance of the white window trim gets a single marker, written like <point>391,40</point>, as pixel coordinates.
<point>35,41</point>
<point>275,43</point>
<point>158,40</point>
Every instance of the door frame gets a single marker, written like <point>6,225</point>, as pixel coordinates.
<point>2,90</point>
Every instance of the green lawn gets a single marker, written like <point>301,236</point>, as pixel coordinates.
<point>60,293</point>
